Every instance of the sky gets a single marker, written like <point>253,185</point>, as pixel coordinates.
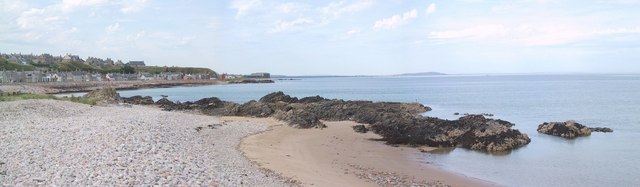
<point>348,37</point>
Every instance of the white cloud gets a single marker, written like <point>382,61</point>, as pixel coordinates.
<point>113,28</point>
<point>353,32</point>
<point>477,32</point>
<point>284,26</point>
<point>346,35</point>
<point>528,34</point>
<point>431,9</point>
<point>338,8</point>
<point>39,19</point>
<point>244,6</point>
<point>396,20</point>
<point>69,5</point>
<point>213,23</point>
<point>290,7</point>
<point>133,6</point>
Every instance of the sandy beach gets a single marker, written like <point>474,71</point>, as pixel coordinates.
<point>337,156</point>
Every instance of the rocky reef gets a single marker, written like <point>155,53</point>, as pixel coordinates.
<point>397,123</point>
<point>569,129</point>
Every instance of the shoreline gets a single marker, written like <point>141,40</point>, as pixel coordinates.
<point>58,143</point>
<point>76,87</point>
<point>333,156</point>
<point>338,156</point>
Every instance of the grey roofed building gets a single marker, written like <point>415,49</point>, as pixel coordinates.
<point>136,63</point>
<point>259,75</point>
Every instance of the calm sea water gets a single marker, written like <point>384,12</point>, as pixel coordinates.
<point>611,159</point>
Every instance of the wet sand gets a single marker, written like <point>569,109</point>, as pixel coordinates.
<point>337,156</point>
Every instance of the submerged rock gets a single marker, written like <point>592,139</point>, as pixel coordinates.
<point>600,129</point>
<point>568,129</point>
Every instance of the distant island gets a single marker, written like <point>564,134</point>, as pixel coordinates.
<point>421,74</point>
<point>326,76</point>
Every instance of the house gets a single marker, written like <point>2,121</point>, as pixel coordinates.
<point>136,63</point>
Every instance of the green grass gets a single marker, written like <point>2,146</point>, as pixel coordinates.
<point>5,97</point>
<point>186,70</point>
<point>6,65</point>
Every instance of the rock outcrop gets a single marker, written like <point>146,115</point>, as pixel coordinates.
<point>250,81</point>
<point>107,95</point>
<point>569,129</point>
<point>138,100</point>
<point>397,123</point>
<point>360,129</point>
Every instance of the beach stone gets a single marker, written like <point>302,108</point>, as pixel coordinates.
<point>360,129</point>
<point>59,143</point>
<point>568,129</point>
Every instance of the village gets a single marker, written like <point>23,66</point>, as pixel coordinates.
<point>29,68</point>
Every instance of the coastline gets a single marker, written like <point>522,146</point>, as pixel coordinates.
<point>74,87</point>
<point>58,143</point>
<point>337,156</point>
<point>333,156</point>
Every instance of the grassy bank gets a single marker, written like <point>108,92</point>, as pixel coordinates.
<point>15,96</point>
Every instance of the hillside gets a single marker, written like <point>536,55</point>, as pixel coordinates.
<point>6,65</point>
<point>185,70</point>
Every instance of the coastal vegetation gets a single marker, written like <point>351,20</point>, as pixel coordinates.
<point>21,62</point>
<point>16,96</point>
<point>10,66</point>
<point>185,70</point>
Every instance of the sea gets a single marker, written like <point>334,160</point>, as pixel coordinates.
<point>595,100</point>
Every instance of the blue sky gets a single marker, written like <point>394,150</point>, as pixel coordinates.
<point>350,37</point>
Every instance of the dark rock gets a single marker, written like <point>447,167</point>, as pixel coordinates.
<point>164,101</point>
<point>255,109</point>
<point>138,100</point>
<point>397,123</point>
<point>360,128</point>
<point>600,129</point>
<point>250,81</point>
<point>209,103</point>
<point>489,134</point>
<point>312,99</point>
<point>568,129</point>
<point>457,113</point>
<point>278,96</point>
<point>300,119</point>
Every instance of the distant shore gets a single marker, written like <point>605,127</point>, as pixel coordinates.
<point>72,87</point>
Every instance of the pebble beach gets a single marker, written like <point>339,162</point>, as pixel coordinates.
<point>58,143</point>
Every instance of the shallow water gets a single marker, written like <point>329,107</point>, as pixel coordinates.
<point>527,100</point>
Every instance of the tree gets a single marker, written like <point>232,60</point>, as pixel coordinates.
<point>128,69</point>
